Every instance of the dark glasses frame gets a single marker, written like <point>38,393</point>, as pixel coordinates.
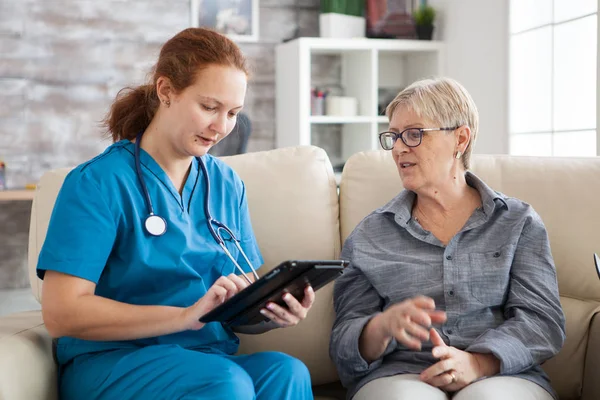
<point>401,135</point>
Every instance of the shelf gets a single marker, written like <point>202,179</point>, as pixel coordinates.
<point>336,46</point>
<point>329,119</point>
<point>365,66</point>
<point>16,195</point>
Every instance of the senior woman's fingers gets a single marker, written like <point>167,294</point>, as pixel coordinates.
<point>424,312</point>
<point>438,368</point>
<point>407,340</point>
<point>437,317</point>
<point>427,317</point>
<point>441,380</point>
<point>416,331</point>
<point>419,316</point>
<point>444,351</point>
<point>436,340</point>
<point>424,302</point>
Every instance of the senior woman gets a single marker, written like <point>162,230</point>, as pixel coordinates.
<point>448,251</point>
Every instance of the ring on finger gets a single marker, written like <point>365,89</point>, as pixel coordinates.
<point>452,375</point>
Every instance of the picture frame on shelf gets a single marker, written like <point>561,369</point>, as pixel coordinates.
<point>238,19</point>
<point>391,19</point>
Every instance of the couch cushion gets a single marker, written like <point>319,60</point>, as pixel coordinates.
<point>14,324</point>
<point>566,369</point>
<point>27,370</point>
<point>564,191</point>
<point>294,209</point>
<point>369,181</point>
<point>41,209</point>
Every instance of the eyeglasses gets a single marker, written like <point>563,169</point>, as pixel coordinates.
<point>412,137</point>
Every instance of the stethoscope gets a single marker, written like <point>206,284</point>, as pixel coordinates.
<point>156,225</point>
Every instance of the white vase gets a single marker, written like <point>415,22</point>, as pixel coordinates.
<point>333,25</point>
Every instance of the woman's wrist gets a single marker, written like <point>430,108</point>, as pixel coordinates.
<point>381,327</point>
<point>373,339</point>
<point>488,364</point>
<point>186,320</point>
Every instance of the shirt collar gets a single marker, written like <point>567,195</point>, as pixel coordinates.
<point>401,205</point>
<point>489,197</point>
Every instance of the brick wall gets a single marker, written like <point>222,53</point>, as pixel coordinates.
<point>63,61</point>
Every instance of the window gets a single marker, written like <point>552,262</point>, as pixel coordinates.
<point>552,77</point>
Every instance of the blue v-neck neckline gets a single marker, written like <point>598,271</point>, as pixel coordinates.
<point>150,164</point>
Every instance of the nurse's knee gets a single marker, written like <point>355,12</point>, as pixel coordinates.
<point>288,368</point>
<point>233,383</point>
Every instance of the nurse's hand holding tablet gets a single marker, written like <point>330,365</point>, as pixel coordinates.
<point>227,286</point>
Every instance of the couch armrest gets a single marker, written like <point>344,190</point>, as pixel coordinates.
<point>591,383</point>
<point>27,369</point>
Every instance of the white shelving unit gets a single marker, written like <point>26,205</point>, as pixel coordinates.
<point>367,65</point>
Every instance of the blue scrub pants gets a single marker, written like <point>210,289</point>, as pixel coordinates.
<point>172,372</point>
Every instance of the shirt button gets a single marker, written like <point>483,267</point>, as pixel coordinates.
<point>451,293</point>
<point>448,257</point>
<point>450,331</point>
<point>496,254</point>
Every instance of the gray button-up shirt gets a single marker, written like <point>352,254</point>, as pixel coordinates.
<point>495,279</point>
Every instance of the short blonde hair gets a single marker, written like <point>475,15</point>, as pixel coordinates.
<point>443,101</point>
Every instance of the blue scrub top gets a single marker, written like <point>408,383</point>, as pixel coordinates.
<point>97,233</point>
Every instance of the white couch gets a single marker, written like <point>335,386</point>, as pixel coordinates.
<point>297,214</point>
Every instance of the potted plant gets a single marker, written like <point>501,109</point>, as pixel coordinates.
<point>342,18</point>
<point>424,17</point>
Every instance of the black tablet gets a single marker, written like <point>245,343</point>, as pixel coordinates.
<point>288,277</point>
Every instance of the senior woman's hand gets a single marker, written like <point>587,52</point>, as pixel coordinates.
<point>295,312</point>
<point>408,320</point>
<point>457,368</point>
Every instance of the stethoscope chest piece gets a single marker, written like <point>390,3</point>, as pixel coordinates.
<point>155,225</point>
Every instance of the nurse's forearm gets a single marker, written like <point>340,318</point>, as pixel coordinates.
<point>92,317</point>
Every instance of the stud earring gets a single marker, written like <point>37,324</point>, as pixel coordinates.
<point>458,154</point>
<point>168,103</point>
